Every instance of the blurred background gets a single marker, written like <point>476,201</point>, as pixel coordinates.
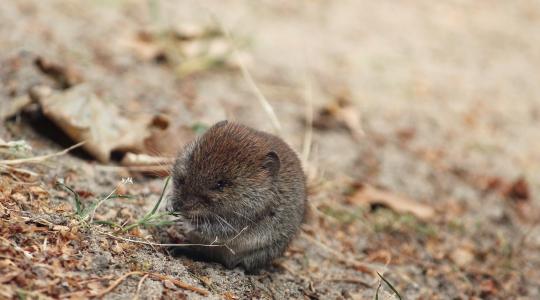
<point>435,104</point>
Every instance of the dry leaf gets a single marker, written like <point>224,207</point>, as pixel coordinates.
<point>189,31</point>
<point>160,148</point>
<point>369,195</point>
<point>9,276</point>
<point>168,284</point>
<point>518,190</point>
<point>206,280</point>
<point>132,159</point>
<point>488,287</point>
<point>188,49</point>
<point>10,108</point>
<point>229,296</point>
<point>83,116</point>
<point>168,141</point>
<point>143,45</point>
<point>65,76</point>
<point>462,256</point>
<point>19,197</point>
<point>341,113</point>
<point>7,291</point>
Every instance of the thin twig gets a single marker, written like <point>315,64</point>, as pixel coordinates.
<point>16,247</point>
<point>226,244</point>
<point>296,274</point>
<point>156,244</point>
<point>238,234</point>
<point>251,82</point>
<point>177,282</point>
<point>139,286</point>
<point>180,284</point>
<point>149,168</point>
<point>339,255</point>
<point>116,283</point>
<point>213,244</point>
<point>37,159</point>
<point>18,170</point>
<point>308,137</point>
<point>101,201</point>
<point>350,280</point>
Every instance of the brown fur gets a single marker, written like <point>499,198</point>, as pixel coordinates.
<point>234,177</point>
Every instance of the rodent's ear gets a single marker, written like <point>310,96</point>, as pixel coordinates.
<point>272,163</point>
<point>220,123</point>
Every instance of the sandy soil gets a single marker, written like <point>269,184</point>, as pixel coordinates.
<point>447,94</point>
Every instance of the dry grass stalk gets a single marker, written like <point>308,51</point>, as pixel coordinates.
<point>213,244</point>
<point>38,159</point>
<point>249,79</point>
<point>176,282</point>
<point>340,256</point>
<point>137,293</point>
<point>308,137</point>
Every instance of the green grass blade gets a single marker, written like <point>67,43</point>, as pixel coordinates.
<point>160,197</point>
<point>390,285</point>
<point>110,223</point>
<point>131,226</point>
<point>79,206</point>
<point>377,292</point>
<point>117,196</point>
<point>163,223</point>
<point>151,216</point>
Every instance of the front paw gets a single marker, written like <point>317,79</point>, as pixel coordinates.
<point>176,235</point>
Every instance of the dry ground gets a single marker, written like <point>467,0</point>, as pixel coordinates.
<point>448,97</point>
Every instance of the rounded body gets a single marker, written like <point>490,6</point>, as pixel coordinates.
<point>240,189</point>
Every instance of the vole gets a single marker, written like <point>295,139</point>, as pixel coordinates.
<point>241,190</point>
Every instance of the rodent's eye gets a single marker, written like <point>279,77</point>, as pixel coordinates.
<point>220,185</point>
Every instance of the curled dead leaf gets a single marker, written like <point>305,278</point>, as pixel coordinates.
<point>462,256</point>
<point>518,190</point>
<point>340,113</point>
<point>367,194</point>
<point>65,76</point>
<point>188,49</point>
<point>229,296</point>
<point>168,284</point>
<point>10,276</point>
<point>12,107</point>
<point>83,116</point>
<point>166,142</point>
<point>19,197</point>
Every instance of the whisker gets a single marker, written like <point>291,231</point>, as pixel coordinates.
<point>226,223</point>
<point>243,216</point>
<point>219,221</point>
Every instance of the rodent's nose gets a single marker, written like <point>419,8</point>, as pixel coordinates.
<point>189,202</point>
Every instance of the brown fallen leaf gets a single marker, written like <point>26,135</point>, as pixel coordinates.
<point>83,116</point>
<point>9,276</point>
<point>462,256</point>
<point>488,287</point>
<point>367,194</point>
<point>340,113</point>
<point>133,159</point>
<point>160,148</point>
<point>147,164</point>
<point>168,284</point>
<point>518,190</point>
<point>65,76</point>
<point>229,296</point>
<point>166,142</point>
<point>7,291</point>
<point>188,48</point>
<point>11,108</point>
<point>519,197</point>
